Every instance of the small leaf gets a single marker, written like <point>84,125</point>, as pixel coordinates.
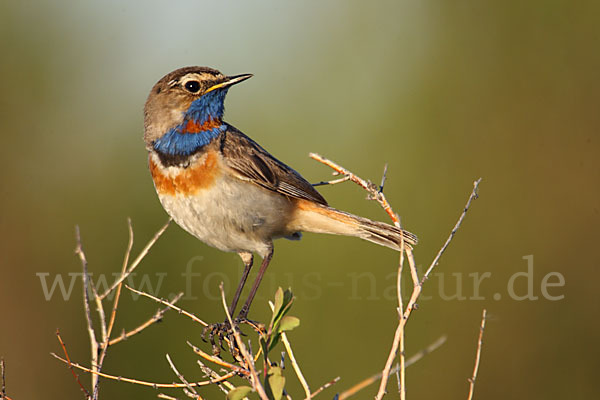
<point>288,323</point>
<point>276,382</point>
<point>274,340</point>
<point>278,301</point>
<point>239,393</point>
<point>288,296</point>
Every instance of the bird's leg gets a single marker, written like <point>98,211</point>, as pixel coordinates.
<point>248,259</point>
<point>263,267</point>
<point>221,330</point>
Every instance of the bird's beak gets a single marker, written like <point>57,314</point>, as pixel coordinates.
<point>229,81</point>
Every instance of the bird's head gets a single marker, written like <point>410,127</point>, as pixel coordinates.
<point>186,101</point>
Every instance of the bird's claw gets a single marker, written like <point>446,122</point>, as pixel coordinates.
<point>221,332</point>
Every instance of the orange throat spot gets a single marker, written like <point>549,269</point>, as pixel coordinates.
<point>186,181</point>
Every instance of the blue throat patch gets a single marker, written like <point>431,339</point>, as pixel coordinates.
<point>179,142</point>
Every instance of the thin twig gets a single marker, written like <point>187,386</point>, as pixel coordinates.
<point>3,395</point>
<point>69,364</point>
<point>158,316</point>
<point>247,357</point>
<point>86,305</point>
<point>140,382</point>
<point>417,288</point>
<point>3,384</point>
<point>225,386</point>
<point>375,377</point>
<point>218,361</point>
<point>333,182</point>
<point>138,259</point>
<point>104,334</point>
<point>383,177</point>
<point>165,396</point>
<point>368,186</point>
<point>181,377</point>
<point>325,386</point>
<point>168,304</point>
<point>288,349</point>
<point>119,286</point>
<point>474,195</point>
<point>478,356</point>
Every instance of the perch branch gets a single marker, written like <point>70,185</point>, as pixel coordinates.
<point>376,194</point>
<point>247,357</point>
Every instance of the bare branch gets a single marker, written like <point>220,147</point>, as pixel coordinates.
<point>158,316</point>
<point>69,364</point>
<point>168,304</point>
<point>374,378</point>
<point>181,377</point>
<point>478,356</point>
<point>247,357</point>
<point>138,259</point>
<point>219,361</point>
<point>368,186</point>
<point>325,386</point>
<point>140,382</point>
<point>474,195</point>
<point>86,305</point>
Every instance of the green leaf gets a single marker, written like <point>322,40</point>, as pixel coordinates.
<point>276,382</point>
<point>239,393</point>
<point>274,340</point>
<point>288,323</point>
<point>278,301</point>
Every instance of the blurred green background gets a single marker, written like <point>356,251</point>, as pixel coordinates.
<point>445,92</point>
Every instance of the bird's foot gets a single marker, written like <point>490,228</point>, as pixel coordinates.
<point>222,332</point>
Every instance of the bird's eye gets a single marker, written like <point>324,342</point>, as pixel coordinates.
<point>192,86</point>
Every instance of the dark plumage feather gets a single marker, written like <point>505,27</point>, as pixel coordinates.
<point>249,160</point>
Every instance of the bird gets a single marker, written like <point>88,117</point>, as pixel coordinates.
<point>224,188</point>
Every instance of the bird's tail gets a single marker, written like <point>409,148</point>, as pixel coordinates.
<point>316,218</point>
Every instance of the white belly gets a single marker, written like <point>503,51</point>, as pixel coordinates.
<point>231,215</point>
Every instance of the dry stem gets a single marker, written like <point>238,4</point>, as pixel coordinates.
<point>138,259</point>
<point>398,342</point>
<point>478,355</point>
<point>168,304</point>
<point>256,385</point>
<point>374,378</point>
<point>140,382</point>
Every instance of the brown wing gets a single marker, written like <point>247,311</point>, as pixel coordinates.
<point>252,162</point>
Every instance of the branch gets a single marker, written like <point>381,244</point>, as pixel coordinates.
<point>325,386</point>
<point>288,349</point>
<point>86,305</point>
<point>418,288</point>
<point>376,194</point>
<point>182,379</point>
<point>168,304</point>
<point>478,355</point>
<point>140,382</point>
<point>138,259</point>
<point>158,316</point>
<point>70,365</point>
<point>374,378</point>
<point>3,395</point>
<point>249,361</point>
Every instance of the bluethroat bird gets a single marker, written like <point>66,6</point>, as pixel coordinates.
<point>224,188</point>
